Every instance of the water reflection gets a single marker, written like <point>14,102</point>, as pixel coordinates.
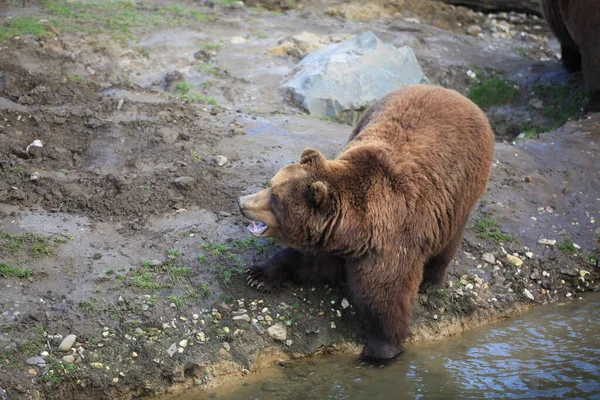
<point>550,352</point>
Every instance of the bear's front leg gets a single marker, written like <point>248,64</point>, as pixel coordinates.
<point>278,269</point>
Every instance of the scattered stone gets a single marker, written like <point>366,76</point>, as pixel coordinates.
<point>238,40</point>
<point>568,295</point>
<point>172,349</point>
<point>31,371</point>
<point>225,329</point>
<point>220,160</point>
<point>243,317</point>
<point>97,365</point>
<point>201,336</point>
<point>289,342</point>
<point>260,330</point>
<point>514,260</point>
<point>278,332</point>
<point>139,331</point>
<point>184,182</point>
<point>341,80</point>
<point>489,258</point>
<point>474,30</point>
<point>527,293</point>
<point>183,343</point>
<point>226,346</point>
<point>67,343</point>
<point>529,254</point>
<point>155,263</point>
<point>69,359</point>
<point>34,176</point>
<point>536,103</point>
<point>36,361</point>
<point>549,242</point>
<point>345,303</point>
<point>268,318</point>
<point>120,104</point>
<point>134,354</point>
<point>105,334</point>
<point>333,325</point>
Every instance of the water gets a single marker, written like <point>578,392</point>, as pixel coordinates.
<point>549,352</point>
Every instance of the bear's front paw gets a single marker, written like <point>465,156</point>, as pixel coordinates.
<point>259,278</point>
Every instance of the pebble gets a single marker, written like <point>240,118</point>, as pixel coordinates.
<point>268,318</point>
<point>201,336</point>
<point>67,343</point>
<point>36,361</point>
<point>474,30</point>
<point>69,359</point>
<point>289,342</point>
<point>278,332</point>
<point>345,303</point>
<point>172,349</point>
<point>489,258</point>
<point>34,176</point>
<point>529,254</point>
<point>549,242</point>
<point>238,40</point>
<point>97,365</point>
<point>105,334</point>
<point>226,346</point>
<point>260,330</point>
<point>514,260</point>
<point>184,182</point>
<point>226,329</point>
<point>220,160</point>
<point>527,293</point>
<point>32,371</point>
<point>183,343</point>
<point>134,354</point>
<point>333,325</point>
<point>243,317</point>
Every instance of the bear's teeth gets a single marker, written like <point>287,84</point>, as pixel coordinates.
<point>257,228</point>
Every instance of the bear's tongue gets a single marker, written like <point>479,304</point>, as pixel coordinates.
<point>257,228</point>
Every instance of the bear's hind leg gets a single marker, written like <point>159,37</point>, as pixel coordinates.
<point>434,271</point>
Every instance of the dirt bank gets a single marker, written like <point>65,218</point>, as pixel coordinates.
<point>122,229</point>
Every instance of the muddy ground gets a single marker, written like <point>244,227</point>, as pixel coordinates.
<point>122,229</point>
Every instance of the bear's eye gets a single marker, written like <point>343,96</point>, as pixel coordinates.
<point>274,199</point>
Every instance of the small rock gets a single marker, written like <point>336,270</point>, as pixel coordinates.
<point>34,176</point>
<point>226,346</point>
<point>67,343</point>
<point>278,332</point>
<point>514,260</point>
<point>225,329</point>
<point>35,361</point>
<point>536,103</point>
<point>139,331</point>
<point>155,263</point>
<point>134,354</point>
<point>260,330</point>
<point>289,342</point>
<point>31,371</point>
<point>489,258</point>
<point>201,337</point>
<point>527,293</point>
<point>172,349</point>
<point>184,182</point>
<point>97,365</point>
<point>183,343</point>
<point>474,30</point>
<point>345,303</point>
<point>333,325</point>
<point>529,254</point>
<point>220,160</point>
<point>69,359</point>
<point>238,40</point>
<point>105,334</point>
<point>549,242</point>
<point>243,317</point>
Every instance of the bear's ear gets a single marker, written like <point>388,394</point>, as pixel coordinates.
<point>318,192</point>
<point>311,155</point>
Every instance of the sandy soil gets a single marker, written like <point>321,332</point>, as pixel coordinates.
<point>126,230</point>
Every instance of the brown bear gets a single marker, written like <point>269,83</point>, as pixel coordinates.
<point>386,215</point>
<point>576,24</point>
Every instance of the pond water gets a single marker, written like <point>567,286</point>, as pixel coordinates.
<point>548,352</point>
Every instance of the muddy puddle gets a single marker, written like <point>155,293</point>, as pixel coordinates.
<point>549,352</point>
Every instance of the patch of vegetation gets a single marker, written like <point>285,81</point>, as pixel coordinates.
<point>530,130</point>
<point>88,306</point>
<point>16,170</point>
<point>75,78</point>
<point>487,228</point>
<point>64,171</point>
<point>36,245</point>
<point>173,253</point>
<point>492,91</point>
<point>211,47</point>
<point>21,26</point>
<point>567,247</point>
<point>177,300</point>
<point>195,156</point>
<point>183,91</point>
<point>119,18</point>
<point>34,346</point>
<point>204,289</point>
<point>7,271</point>
<point>208,69</point>
<point>55,371</point>
<point>562,101</point>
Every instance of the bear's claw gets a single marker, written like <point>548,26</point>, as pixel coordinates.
<point>259,279</point>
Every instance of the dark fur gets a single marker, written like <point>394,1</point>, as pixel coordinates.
<point>576,24</point>
<point>387,216</point>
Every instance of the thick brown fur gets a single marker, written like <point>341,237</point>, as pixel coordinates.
<point>576,24</point>
<point>387,215</point>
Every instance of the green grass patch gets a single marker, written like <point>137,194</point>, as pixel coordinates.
<point>567,247</point>
<point>21,26</point>
<point>36,245</point>
<point>211,47</point>
<point>561,102</point>
<point>492,91</point>
<point>487,228</point>
<point>7,271</point>
<point>208,69</point>
<point>184,92</point>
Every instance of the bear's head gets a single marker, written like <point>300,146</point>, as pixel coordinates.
<point>305,206</point>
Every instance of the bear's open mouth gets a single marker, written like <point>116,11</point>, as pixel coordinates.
<point>257,228</point>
